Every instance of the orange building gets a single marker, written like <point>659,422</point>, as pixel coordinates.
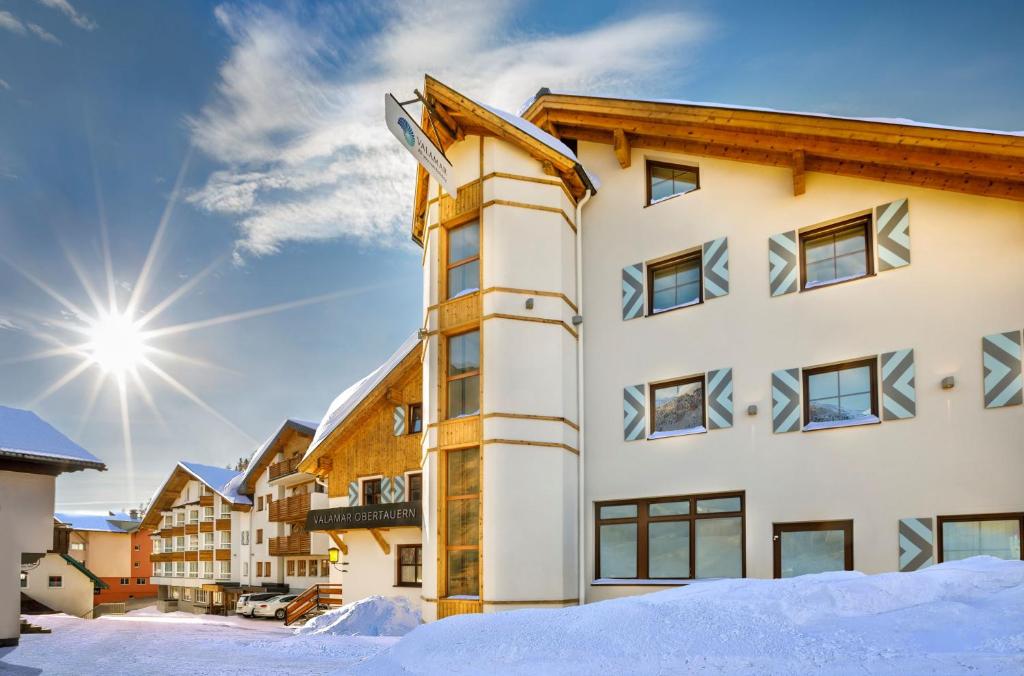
<point>116,550</point>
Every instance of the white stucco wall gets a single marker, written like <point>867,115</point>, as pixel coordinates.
<point>75,597</point>
<point>26,519</point>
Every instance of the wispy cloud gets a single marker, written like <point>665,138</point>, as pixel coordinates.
<point>43,34</point>
<point>9,22</point>
<point>65,7</point>
<point>297,118</point>
<point>7,324</point>
<point>4,85</point>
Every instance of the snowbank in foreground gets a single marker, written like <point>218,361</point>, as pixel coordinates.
<point>373,616</point>
<point>951,618</point>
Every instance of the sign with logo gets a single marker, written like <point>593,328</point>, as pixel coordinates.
<point>419,145</point>
<point>367,516</point>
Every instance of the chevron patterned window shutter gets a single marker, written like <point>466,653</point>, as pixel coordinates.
<point>399,427</point>
<point>892,223</point>
<point>634,420</point>
<point>633,291</point>
<point>353,493</point>
<point>1001,356</point>
<point>719,399</point>
<point>783,259</point>
<point>899,398</point>
<point>398,489</point>
<point>716,268</point>
<point>916,548</point>
<point>386,495</point>
<point>786,401</point>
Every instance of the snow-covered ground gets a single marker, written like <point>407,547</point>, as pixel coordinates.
<point>959,617</point>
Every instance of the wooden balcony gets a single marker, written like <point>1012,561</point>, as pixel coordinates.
<point>294,508</point>
<point>290,545</point>
<point>206,501</point>
<point>285,467</point>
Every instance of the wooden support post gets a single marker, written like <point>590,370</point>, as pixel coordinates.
<point>338,542</point>
<point>799,177</point>
<point>384,546</point>
<point>621,145</point>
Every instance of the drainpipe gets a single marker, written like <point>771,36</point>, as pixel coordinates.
<point>581,508</point>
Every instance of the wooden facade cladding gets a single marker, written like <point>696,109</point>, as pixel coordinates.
<point>177,531</point>
<point>191,529</point>
<point>206,501</point>
<point>285,467</point>
<point>459,431</point>
<point>459,312</point>
<point>449,607</point>
<point>223,524</point>
<point>206,527</point>
<point>290,545</point>
<point>293,508</point>
<point>468,199</point>
<point>222,555</point>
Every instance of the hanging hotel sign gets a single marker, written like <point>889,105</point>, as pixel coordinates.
<point>367,516</point>
<point>419,145</point>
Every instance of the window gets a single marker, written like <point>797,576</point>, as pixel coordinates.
<point>410,565</point>
<point>463,262</point>
<point>666,180</point>
<point>259,503</point>
<point>673,538</point>
<point>415,418</point>
<point>135,564</point>
<point>259,569</point>
<point>674,283</point>
<point>179,518</point>
<point>463,374</point>
<point>837,253</point>
<point>77,546</point>
<point>312,567</point>
<point>259,536</point>
<point>193,543</point>
<point>168,521</point>
<point>245,568</point>
<point>462,522</point>
<point>414,487</point>
<point>193,516</point>
<point>678,407</point>
<point>266,569</point>
<point>225,539</point>
<point>208,513</point>
<point>325,568</point>
<point>225,569</point>
<point>997,535</point>
<point>841,394</point>
<point>138,548</point>
<point>245,537</point>
<point>207,540</point>
<point>179,543</point>
<point>55,581</point>
<point>301,568</point>
<point>187,593</point>
<point>225,509</point>
<point>193,568</point>
<point>269,500</point>
<point>201,596</point>
<point>23,580</point>
<point>140,580</point>
<point>208,569</point>
<point>812,547</point>
<point>371,492</point>
<point>290,567</point>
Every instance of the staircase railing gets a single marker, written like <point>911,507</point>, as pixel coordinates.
<point>317,596</point>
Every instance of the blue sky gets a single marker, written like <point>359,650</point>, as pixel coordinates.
<point>292,187</point>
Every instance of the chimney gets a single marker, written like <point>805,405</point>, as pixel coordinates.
<point>134,514</point>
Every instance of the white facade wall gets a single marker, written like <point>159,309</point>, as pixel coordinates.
<point>74,596</point>
<point>26,519</point>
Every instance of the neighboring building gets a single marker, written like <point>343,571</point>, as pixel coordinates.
<point>32,454</point>
<point>368,450</point>
<point>800,348</point>
<point>60,582</point>
<point>276,552</point>
<point>114,548</point>
<point>197,518</point>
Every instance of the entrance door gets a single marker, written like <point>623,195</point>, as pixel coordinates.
<point>812,547</point>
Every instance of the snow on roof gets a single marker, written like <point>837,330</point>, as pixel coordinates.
<point>347,401</point>
<point>108,523</point>
<point>25,434</point>
<point>254,459</point>
<point>221,479</point>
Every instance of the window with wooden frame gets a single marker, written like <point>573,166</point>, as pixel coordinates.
<point>371,491</point>
<point>836,253</point>
<point>415,418</point>
<point>312,567</point>
<point>671,538</point>
<point>841,395</point>
<point>266,569</point>
<point>462,260</point>
<point>325,568</point>
<point>677,407</point>
<point>665,180</point>
<point>409,559</point>
<point>414,487</point>
<point>462,522</point>
<point>259,536</point>
<point>55,581</point>
<point>674,283</point>
<point>462,374</point>
<point>259,503</point>
<point>811,547</point>
<point>998,535</point>
<point>301,568</point>
<point>290,567</point>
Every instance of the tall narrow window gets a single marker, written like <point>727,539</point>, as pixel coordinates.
<point>836,253</point>
<point>372,492</point>
<point>668,180</point>
<point>842,394</point>
<point>415,418</point>
<point>674,283</point>
<point>463,261</point>
<point>462,517</point>
<point>463,374</point>
<point>414,488</point>
<point>410,565</point>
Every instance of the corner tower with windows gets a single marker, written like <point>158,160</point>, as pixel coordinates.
<point>499,363</point>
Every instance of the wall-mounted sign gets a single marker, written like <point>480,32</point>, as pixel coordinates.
<point>419,145</point>
<point>366,516</point>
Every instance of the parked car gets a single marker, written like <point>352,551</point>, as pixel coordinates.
<point>273,607</point>
<point>247,603</point>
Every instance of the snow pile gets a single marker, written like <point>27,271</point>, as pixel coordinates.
<point>373,616</point>
<point>952,618</point>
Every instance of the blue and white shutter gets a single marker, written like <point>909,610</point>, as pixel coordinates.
<point>399,426</point>
<point>786,401</point>
<point>386,495</point>
<point>633,417</point>
<point>899,398</point>
<point>1001,356</point>
<point>892,224</point>
<point>916,548</point>
<point>353,493</point>
<point>719,399</point>
<point>715,261</point>
<point>398,488</point>
<point>633,291</point>
<point>783,257</point>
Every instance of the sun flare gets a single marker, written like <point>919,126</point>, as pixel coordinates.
<point>117,344</point>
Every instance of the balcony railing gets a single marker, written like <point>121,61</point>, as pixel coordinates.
<point>285,467</point>
<point>294,508</point>
<point>290,545</point>
<point>223,576</point>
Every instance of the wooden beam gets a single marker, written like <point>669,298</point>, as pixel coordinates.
<point>549,169</point>
<point>799,177</point>
<point>384,546</point>
<point>621,145</point>
<point>339,543</point>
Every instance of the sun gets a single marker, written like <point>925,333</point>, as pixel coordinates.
<point>117,344</point>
